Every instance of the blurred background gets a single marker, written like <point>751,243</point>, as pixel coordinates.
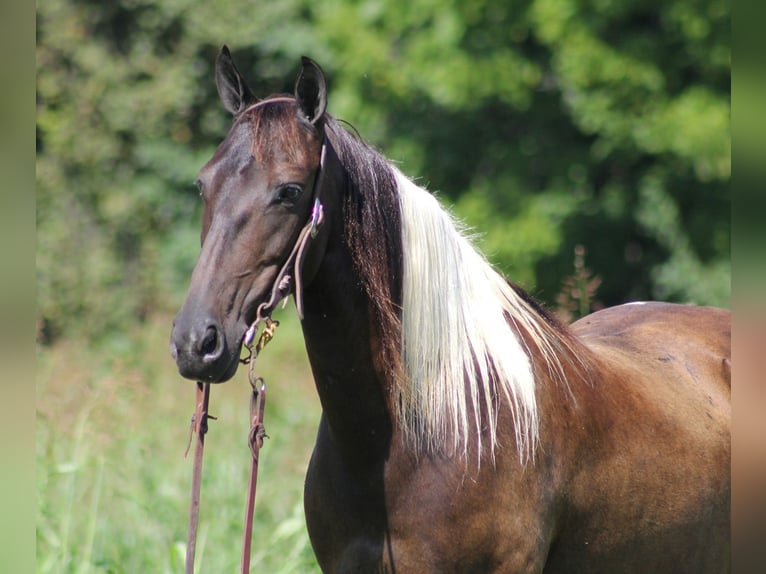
<point>586,142</point>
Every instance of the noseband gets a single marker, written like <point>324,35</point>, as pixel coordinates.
<point>288,279</point>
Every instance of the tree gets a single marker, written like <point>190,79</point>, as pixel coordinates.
<point>546,123</point>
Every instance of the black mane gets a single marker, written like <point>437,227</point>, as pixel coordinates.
<point>372,213</point>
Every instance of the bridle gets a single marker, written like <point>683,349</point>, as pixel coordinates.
<point>290,275</point>
<point>288,279</point>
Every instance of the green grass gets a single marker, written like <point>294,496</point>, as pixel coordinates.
<point>112,484</point>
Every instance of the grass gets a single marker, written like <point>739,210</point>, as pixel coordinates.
<point>112,425</point>
<point>112,484</point>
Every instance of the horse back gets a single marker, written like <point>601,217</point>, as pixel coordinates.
<point>650,480</point>
<point>691,344</point>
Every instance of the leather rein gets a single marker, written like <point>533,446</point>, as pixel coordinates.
<point>288,279</point>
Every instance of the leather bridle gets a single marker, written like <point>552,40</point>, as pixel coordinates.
<point>289,279</point>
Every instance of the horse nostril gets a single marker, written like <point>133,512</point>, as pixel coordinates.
<point>209,343</point>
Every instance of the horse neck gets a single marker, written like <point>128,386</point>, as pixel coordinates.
<point>341,349</point>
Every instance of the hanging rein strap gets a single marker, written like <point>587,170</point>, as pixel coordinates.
<point>283,283</point>
<point>288,279</point>
<point>198,428</point>
<point>255,436</point>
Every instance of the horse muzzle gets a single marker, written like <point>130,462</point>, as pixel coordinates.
<point>202,351</point>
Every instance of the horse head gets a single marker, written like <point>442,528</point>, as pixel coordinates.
<point>258,191</point>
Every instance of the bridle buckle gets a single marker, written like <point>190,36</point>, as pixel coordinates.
<point>317,216</point>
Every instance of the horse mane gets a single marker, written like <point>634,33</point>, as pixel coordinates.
<point>471,339</point>
<point>372,228</point>
<point>455,337</point>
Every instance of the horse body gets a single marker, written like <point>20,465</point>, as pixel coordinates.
<point>633,476</point>
<point>602,447</point>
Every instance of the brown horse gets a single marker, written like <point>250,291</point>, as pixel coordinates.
<point>463,429</point>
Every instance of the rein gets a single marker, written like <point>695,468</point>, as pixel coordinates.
<point>288,279</point>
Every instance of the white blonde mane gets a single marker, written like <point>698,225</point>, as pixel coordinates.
<point>461,355</point>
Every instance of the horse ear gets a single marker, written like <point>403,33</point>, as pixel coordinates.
<point>232,89</point>
<point>311,90</point>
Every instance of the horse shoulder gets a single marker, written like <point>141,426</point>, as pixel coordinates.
<point>428,513</point>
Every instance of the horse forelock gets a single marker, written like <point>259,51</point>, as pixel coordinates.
<point>277,131</point>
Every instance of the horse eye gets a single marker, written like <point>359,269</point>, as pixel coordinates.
<point>198,184</point>
<point>289,193</point>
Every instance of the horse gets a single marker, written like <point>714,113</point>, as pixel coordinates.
<point>463,428</point>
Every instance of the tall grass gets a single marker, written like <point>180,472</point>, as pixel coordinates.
<point>112,426</point>
<point>113,486</point>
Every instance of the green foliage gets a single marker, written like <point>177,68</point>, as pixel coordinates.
<point>541,120</point>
